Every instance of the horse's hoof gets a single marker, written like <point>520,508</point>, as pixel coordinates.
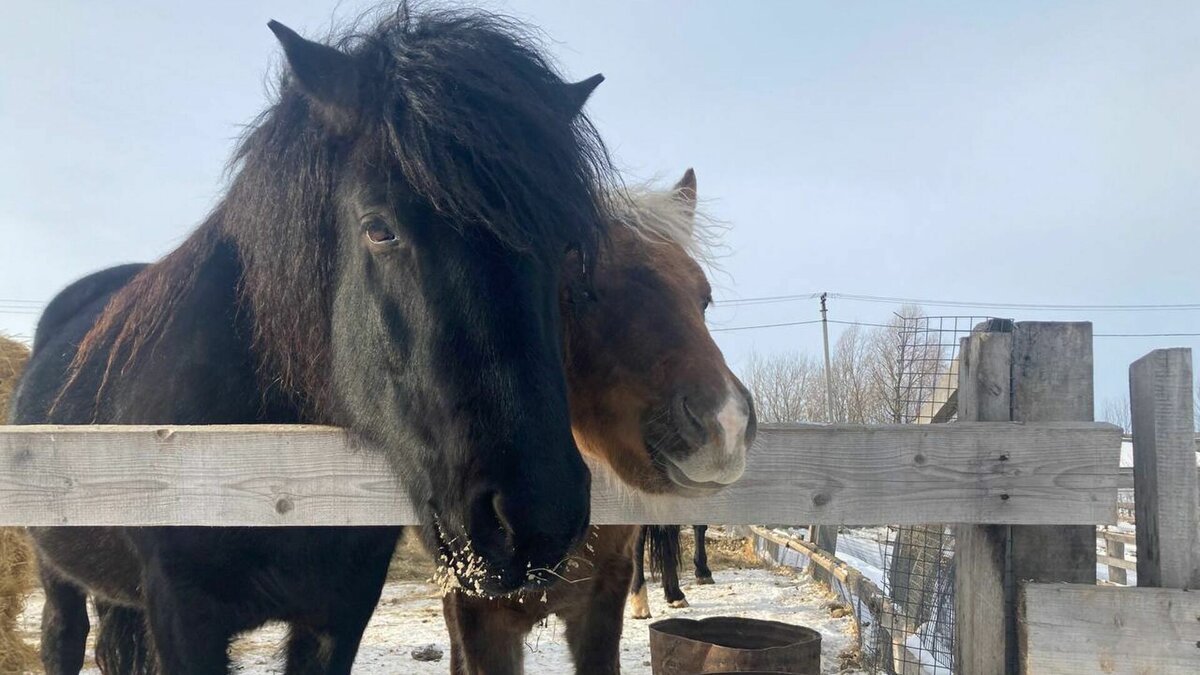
<point>704,581</point>
<point>640,604</point>
<point>679,604</point>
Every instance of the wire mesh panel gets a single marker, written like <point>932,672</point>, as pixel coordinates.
<point>917,636</point>
<point>929,362</point>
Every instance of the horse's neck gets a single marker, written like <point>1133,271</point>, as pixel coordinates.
<point>202,368</point>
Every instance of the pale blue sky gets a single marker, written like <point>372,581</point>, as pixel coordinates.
<point>1022,152</point>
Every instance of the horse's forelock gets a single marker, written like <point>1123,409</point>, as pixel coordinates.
<point>660,216</point>
<point>483,127</point>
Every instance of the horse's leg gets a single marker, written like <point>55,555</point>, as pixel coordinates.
<point>491,636</point>
<point>302,654</point>
<point>670,570</point>
<point>330,650</point>
<point>122,645</point>
<point>458,665</point>
<point>703,574</point>
<point>671,590</point>
<point>346,637</point>
<point>359,593</point>
<point>593,627</point>
<point>64,625</point>
<point>326,651</point>
<point>637,590</point>
<point>191,630</point>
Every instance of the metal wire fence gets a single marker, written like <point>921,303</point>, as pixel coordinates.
<point>918,561</point>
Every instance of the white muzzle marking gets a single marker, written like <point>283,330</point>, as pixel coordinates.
<point>722,461</point>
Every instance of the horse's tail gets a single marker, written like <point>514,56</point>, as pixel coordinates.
<point>663,543</point>
<point>122,642</point>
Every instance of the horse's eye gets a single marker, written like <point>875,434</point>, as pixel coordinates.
<point>378,231</point>
<point>708,301</point>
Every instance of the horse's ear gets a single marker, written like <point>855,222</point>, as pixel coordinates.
<point>329,77</point>
<point>685,191</point>
<point>578,92</point>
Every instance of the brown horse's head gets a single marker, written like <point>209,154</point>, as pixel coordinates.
<point>651,395</point>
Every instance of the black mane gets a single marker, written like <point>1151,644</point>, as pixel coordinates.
<point>480,125</point>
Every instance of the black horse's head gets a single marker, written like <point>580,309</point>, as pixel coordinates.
<point>429,175</point>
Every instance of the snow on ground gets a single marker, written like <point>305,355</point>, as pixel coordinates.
<point>410,616</point>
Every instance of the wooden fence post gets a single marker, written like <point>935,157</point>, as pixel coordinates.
<point>1040,372</point>
<point>1053,381</point>
<point>1164,470</point>
<point>980,551</point>
<point>824,537</point>
<point>1116,549</point>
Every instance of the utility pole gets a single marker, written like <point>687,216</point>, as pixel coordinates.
<point>828,369</point>
<point>824,537</point>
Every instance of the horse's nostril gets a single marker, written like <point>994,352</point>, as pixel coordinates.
<point>690,415</point>
<point>498,510</point>
<point>490,529</point>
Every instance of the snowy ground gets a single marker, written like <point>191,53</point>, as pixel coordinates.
<point>409,616</point>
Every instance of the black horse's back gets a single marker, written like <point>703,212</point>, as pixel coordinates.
<point>83,298</point>
<point>65,320</point>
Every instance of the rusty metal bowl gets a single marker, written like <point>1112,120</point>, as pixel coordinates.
<point>733,645</point>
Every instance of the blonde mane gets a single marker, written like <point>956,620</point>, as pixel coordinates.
<point>659,215</point>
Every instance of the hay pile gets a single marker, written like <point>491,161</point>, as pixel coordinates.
<point>16,557</point>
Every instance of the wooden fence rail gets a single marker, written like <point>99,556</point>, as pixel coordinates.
<point>294,475</point>
<point>1069,629</point>
<point>1116,556</point>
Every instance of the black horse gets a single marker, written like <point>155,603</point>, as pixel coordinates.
<point>386,259</point>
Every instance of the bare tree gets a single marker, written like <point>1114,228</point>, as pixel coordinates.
<point>786,387</point>
<point>854,399</point>
<point>1116,411</point>
<point>905,365</point>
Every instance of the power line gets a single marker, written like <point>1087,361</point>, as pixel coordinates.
<point>884,325</point>
<point>795,323</point>
<point>1137,335</point>
<point>763,325</point>
<point>861,323</point>
<point>771,299</point>
<point>767,299</point>
<point>1020,305</point>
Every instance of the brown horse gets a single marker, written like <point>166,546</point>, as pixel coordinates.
<point>652,399</point>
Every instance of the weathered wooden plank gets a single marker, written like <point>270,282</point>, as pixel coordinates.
<point>824,537</point>
<point>1122,537</point>
<point>266,476</point>
<point>1074,628</point>
<point>1117,572</point>
<point>980,606</point>
<point>1129,438</point>
<point>1116,563</point>
<point>1125,478</point>
<point>1053,382</point>
<point>1164,469</point>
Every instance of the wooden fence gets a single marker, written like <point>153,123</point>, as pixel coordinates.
<point>1025,473</point>
<point>291,475</point>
